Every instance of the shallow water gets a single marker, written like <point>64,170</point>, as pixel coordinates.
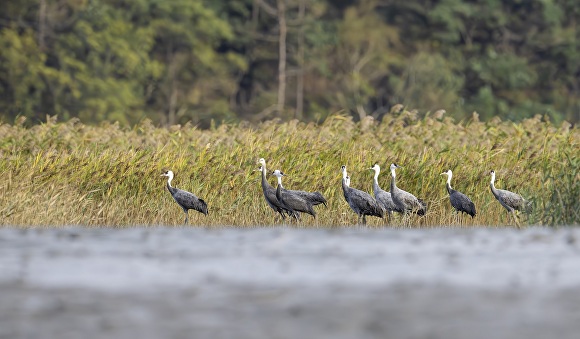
<point>289,283</point>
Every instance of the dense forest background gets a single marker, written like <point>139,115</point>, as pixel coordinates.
<point>174,61</point>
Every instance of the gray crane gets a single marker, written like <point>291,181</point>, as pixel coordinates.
<point>291,200</point>
<point>360,202</point>
<point>383,197</point>
<point>511,201</point>
<point>315,198</point>
<point>270,193</point>
<point>186,200</point>
<point>458,200</point>
<point>404,200</point>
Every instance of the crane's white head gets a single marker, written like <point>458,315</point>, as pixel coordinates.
<point>393,168</point>
<point>262,162</point>
<point>169,174</point>
<point>375,168</point>
<point>448,173</point>
<point>278,173</point>
<point>492,176</point>
<point>343,170</point>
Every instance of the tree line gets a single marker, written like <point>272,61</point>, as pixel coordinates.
<point>223,61</point>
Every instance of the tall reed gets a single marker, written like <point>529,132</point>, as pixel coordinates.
<point>73,174</point>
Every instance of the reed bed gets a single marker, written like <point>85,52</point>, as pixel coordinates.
<point>74,174</point>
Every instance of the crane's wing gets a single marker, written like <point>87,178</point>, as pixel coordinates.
<point>295,202</point>
<point>512,199</point>
<point>462,203</point>
<point>365,203</point>
<point>315,198</point>
<point>385,200</point>
<point>189,201</point>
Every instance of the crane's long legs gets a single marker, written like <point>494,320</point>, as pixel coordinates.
<point>186,217</point>
<point>513,212</point>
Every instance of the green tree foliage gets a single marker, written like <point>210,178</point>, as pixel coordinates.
<point>200,60</point>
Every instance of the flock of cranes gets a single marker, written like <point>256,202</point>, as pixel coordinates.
<point>292,202</point>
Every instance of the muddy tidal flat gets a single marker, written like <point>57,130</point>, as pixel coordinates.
<point>278,282</point>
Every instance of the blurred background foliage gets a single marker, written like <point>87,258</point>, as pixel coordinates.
<point>213,61</point>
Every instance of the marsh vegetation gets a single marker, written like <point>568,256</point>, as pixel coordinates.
<point>71,173</point>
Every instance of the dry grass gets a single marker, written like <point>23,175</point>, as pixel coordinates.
<point>70,173</point>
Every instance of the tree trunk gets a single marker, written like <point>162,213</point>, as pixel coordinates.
<point>42,25</point>
<point>172,87</point>
<point>300,59</point>
<point>282,56</point>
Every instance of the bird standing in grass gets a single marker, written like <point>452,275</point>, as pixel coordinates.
<point>186,200</point>
<point>270,192</point>
<point>511,201</point>
<point>314,198</point>
<point>383,197</point>
<point>458,200</point>
<point>291,200</point>
<point>360,202</point>
<point>404,200</point>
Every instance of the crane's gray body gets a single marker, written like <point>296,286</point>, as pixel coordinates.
<point>461,202</point>
<point>361,202</point>
<point>270,196</point>
<point>458,200</point>
<point>511,201</point>
<point>383,198</point>
<point>294,202</point>
<point>297,201</point>
<point>315,198</point>
<point>186,200</point>
<point>404,200</point>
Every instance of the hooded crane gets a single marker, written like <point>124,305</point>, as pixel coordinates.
<point>270,192</point>
<point>459,201</point>
<point>292,201</point>
<point>383,197</point>
<point>186,200</point>
<point>511,201</point>
<point>315,198</point>
<point>404,200</point>
<point>360,202</point>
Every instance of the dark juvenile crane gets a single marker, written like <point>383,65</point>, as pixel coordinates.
<point>186,200</point>
<point>270,192</point>
<point>511,201</point>
<point>360,202</point>
<point>291,200</point>
<point>404,200</point>
<point>383,198</point>
<point>458,200</point>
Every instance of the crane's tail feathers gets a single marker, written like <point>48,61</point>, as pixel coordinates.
<point>528,206</point>
<point>422,210</point>
<point>319,199</point>
<point>203,208</point>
